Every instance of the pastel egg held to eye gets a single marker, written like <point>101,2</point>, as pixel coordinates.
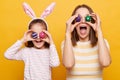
<point>88,18</point>
<point>42,35</point>
<point>34,35</point>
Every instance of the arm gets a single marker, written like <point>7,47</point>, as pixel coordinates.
<point>54,59</point>
<point>13,52</point>
<point>68,55</point>
<point>104,53</point>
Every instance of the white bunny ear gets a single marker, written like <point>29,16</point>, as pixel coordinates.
<point>48,10</point>
<point>28,10</point>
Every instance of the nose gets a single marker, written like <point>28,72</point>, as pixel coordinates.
<point>38,39</point>
<point>83,20</point>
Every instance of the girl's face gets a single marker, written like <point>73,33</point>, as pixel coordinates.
<point>38,43</point>
<point>83,28</point>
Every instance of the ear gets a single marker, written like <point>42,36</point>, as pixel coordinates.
<point>48,10</point>
<point>28,10</point>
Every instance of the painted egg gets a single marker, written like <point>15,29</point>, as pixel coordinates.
<point>34,35</point>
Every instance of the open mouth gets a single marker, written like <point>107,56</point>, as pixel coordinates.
<point>83,29</point>
<point>38,41</point>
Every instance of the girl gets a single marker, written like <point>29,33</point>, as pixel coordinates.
<point>85,51</point>
<point>40,53</point>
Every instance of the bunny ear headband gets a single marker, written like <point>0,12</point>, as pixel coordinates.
<point>28,10</point>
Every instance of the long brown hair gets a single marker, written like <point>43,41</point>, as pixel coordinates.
<point>92,35</point>
<point>35,21</point>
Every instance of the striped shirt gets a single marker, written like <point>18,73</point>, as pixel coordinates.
<point>87,65</point>
<point>38,62</point>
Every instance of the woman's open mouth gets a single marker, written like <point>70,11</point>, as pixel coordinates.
<point>83,29</point>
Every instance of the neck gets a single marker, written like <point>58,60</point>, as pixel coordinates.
<point>84,39</point>
<point>43,47</point>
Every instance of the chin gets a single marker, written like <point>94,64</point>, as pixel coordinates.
<point>39,47</point>
<point>84,36</point>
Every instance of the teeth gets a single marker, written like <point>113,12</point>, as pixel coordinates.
<point>83,27</point>
<point>38,41</point>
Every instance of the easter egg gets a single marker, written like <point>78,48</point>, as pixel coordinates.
<point>34,35</point>
<point>42,35</point>
<point>88,18</point>
<point>78,19</point>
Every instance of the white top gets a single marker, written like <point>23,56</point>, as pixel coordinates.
<point>38,62</point>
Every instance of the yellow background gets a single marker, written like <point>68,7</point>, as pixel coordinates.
<point>13,24</point>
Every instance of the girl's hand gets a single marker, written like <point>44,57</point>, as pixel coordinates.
<point>27,36</point>
<point>48,37</point>
<point>69,26</point>
<point>97,25</point>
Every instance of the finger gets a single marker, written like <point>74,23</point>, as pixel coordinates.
<point>76,24</point>
<point>71,19</point>
<point>46,40</point>
<point>98,17</point>
<point>94,16</point>
<point>90,24</point>
<point>93,13</point>
<point>46,32</point>
<point>29,31</point>
<point>31,39</point>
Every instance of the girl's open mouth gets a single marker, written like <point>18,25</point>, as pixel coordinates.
<point>38,41</point>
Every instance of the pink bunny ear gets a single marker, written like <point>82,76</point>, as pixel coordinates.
<point>28,10</point>
<point>48,10</point>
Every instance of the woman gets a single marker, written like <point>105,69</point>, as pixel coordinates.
<point>85,51</point>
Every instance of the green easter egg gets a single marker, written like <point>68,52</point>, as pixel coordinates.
<point>88,18</point>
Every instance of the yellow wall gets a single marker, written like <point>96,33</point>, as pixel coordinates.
<point>13,23</point>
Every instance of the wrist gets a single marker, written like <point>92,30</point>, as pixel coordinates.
<point>99,33</point>
<point>23,40</point>
<point>68,35</point>
<point>51,42</point>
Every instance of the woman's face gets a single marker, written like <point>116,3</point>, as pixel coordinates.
<point>38,43</point>
<point>83,28</point>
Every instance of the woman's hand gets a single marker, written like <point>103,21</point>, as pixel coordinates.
<point>48,37</point>
<point>97,25</point>
<point>69,26</point>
